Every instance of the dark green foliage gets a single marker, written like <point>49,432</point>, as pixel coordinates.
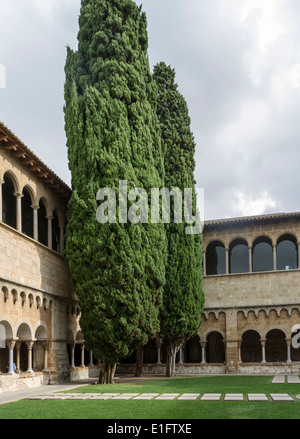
<point>183,298</point>
<point>118,270</point>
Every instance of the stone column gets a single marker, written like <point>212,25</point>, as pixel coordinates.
<point>274,257</point>
<point>180,356</point>
<point>263,349</point>
<point>73,355</point>
<point>18,348</point>
<point>34,348</point>
<point>19,196</point>
<point>1,206</point>
<point>288,344</point>
<point>49,218</point>
<point>240,351</point>
<point>10,345</point>
<point>250,258</point>
<point>203,352</point>
<point>82,356</point>
<point>29,349</point>
<point>204,262</point>
<point>46,349</point>
<point>35,209</point>
<point>227,260</point>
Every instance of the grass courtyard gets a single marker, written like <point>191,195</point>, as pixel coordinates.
<point>136,409</point>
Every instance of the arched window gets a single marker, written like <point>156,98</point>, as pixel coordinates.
<point>262,254</point>
<point>215,258</point>
<point>238,256</point>
<point>27,213</point>
<point>42,224</point>
<point>55,233</point>
<point>251,347</point>
<point>193,350</point>
<point>215,349</point>
<point>9,204</point>
<point>276,349</point>
<point>287,257</point>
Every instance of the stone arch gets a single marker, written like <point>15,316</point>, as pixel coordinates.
<point>24,331</point>
<point>40,332</point>
<point>31,300</point>
<point>238,256</point>
<point>38,302</point>
<point>7,324</point>
<point>45,303</point>
<point>215,347</point>
<point>23,298</point>
<point>215,258</point>
<point>79,337</point>
<point>14,294</point>
<point>262,254</point>
<point>27,202</point>
<point>9,173</point>
<point>251,351</point>
<point>5,293</point>
<point>9,201</point>
<point>193,352</point>
<point>276,349</point>
<point>287,252</point>
<point>43,213</point>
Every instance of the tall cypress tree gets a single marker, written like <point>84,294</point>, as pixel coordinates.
<point>183,297</point>
<point>117,268</point>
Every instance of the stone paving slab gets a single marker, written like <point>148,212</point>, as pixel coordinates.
<point>146,396</point>
<point>257,397</point>
<point>211,397</point>
<point>293,379</point>
<point>167,396</point>
<point>234,397</point>
<point>281,397</point>
<point>278,379</point>
<point>125,396</point>
<point>189,397</point>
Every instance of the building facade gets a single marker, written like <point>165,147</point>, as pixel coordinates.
<point>250,277</point>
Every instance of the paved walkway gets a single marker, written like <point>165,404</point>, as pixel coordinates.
<point>278,397</point>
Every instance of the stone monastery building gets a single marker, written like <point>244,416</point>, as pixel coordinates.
<point>251,284</point>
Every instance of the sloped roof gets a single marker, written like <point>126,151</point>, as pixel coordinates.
<point>10,142</point>
<point>248,220</point>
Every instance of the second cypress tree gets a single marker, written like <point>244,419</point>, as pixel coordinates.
<point>183,297</point>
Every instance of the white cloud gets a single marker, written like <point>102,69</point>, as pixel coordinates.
<point>246,205</point>
<point>248,125</point>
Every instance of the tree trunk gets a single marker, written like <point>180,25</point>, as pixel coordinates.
<point>107,373</point>
<point>139,361</point>
<point>172,349</point>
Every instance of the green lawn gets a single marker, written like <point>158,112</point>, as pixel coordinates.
<point>167,409</point>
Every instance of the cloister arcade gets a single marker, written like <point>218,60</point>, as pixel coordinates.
<point>274,346</point>
<point>21,209</point>
<point>261,254</point>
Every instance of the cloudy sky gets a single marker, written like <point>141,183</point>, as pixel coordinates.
<point>237,63</point>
